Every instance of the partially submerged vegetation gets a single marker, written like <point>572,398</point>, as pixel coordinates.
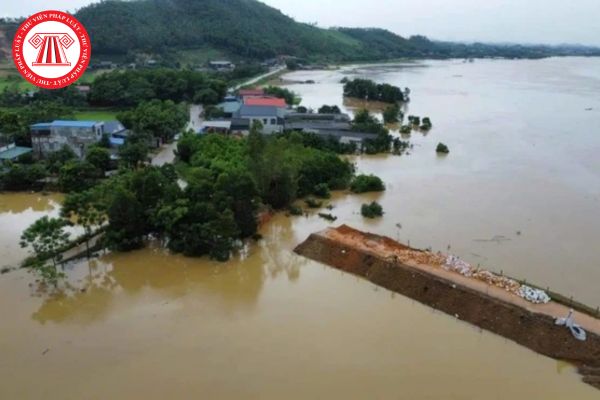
<point>366,89</point>
<point>229,180</point>
<point>372,211</point>
<point>442,149</point>
<point>367,183</point>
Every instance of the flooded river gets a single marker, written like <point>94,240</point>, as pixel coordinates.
<point>519,192</point>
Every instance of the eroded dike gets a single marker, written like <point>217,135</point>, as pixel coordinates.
<point>483,302</point>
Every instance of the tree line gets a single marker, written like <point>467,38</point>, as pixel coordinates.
<point>131,87</point>
<point>368,90</point>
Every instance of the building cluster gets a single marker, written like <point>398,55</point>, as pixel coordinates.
<point>49,137</point>
<point>240,111</point>
<point>248,106</point>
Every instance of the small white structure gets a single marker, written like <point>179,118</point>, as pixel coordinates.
<point>222,65</point>
<point>223,126</point>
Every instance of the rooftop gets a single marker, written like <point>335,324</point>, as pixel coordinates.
<point>12,152</point>
<point>215,125</point>
<point>229,107</point>
<point>265,101</point>
<point>65,124</point>
<point>247,111</point>
<point>251,92</point>
<point>112,127</point>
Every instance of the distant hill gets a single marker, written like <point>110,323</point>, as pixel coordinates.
<point>187,31</point>
<point>246,28</point>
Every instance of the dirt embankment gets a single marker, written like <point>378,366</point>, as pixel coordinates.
<point>487,307</point>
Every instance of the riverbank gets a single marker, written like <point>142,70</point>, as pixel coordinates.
<point>408,271</point>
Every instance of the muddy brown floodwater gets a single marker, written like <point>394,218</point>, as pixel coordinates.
<point>271,325</point>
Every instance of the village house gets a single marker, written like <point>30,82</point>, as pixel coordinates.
<point>264,101</point>
<point>335,126</point>
<point>50,137</point>
<point>230,106</point>
<point>250,92</point>
<point>11,152</point>
<point>222,66</point>
<point>270,117</point>
<point>116,132</point>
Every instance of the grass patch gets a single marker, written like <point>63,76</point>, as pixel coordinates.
<point>96,115</point>
<point>12,79</point>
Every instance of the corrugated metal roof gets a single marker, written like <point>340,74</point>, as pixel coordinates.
<point>42,126</point>
<point>265,101</point>
<point>65,124</point>
<point>259,111</point>
<point>14,152</point>
<point>111,127</point>
<point>229,107</point>
<point>75,124</point>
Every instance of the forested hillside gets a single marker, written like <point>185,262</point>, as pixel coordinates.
<point>246,28</point>
<point>175,30</point>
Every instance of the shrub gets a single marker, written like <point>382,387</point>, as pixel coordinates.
<point>21,177</point>
<point>372,210</point>
<point>329,110</point>
<point>406,129</point>
<point>426,125</point>
<point>295,210</point>
<point>322,191</point>
<point>99,157</point>
<point>442,149</point>
<point>414,120</point>
<point>367,183</point>
<point>391,114</point>
<point>313,203</point>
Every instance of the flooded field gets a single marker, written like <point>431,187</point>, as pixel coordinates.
<point>519,192</point>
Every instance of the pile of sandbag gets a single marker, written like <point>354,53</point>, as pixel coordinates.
<point>510,285</point>
<point>455,264</point>
<point>532,295</point>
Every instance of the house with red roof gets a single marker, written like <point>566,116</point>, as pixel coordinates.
<point>251,92</point>
<point>265,101</point>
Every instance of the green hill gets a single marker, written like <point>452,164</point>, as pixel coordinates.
<point>246,28</point>
<point>194,31</point>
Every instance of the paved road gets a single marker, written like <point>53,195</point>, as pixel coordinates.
<point>196,119</point>
<point>259,78</point>
<point>165,155</point>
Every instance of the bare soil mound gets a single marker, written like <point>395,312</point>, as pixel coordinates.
<point>416,274</point>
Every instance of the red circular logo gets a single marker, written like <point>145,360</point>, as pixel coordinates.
<point>51,49</point>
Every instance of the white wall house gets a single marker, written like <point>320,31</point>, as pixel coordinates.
<point>270,117</point>
<point>47,138</point>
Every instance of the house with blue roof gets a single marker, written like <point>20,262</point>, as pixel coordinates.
<point>50,137</point>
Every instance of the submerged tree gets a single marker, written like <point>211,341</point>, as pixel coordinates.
<point>391,114</point>
<point>372,210</point>
<point>442,149</point>
<point>47,237</point>
<point>88,212</point>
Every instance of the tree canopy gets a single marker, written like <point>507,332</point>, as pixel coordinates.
<point>132,87</point>
<point>368,90</point>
